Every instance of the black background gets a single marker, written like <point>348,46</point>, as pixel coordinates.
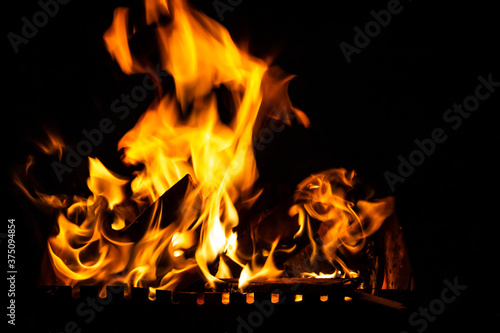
<point>363,114</point>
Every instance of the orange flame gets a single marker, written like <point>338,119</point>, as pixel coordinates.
<point>53,146</point>
<point>344,226</point>
<point>182,134</point>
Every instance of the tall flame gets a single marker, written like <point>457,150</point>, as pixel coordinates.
<point>201,56</point>
<point>182,134</point>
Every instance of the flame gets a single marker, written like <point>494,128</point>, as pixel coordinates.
<point>181,134</point>
<point>116,39</point>
<point>344,225</point>
<point>53,146</point>
<point>252,271</point>
<point>103,182</point>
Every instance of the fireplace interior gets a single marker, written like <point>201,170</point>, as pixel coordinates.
<point>363,115</point>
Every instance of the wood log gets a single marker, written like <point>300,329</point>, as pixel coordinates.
<point>291,285</point>
<point>358,294</point>
<point>170,208</point>
<point>165,210</point>
<point>398,272</point>
<point>262,230</point>
<point>301,262</point>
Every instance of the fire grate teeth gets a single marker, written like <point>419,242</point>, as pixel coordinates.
<point>199,298</point>
<point>226,291</point>
<point>277,291</point>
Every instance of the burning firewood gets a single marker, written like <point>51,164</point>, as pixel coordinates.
<point>291,285</point>
<point>320,231</point>
<point>166,209</point>
<point>211,230</point>
<point>398,273</point>
<point>179,206</point>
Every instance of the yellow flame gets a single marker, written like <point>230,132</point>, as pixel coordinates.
<point>345,226</point>
<point>182,133</point>
<point>179,134</point>
<point>103,182</point>
<point>252,271</point>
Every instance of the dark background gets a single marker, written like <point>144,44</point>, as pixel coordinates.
<point>363,114</point>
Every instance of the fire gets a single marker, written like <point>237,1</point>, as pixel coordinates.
<point>344,225</point>
<point>252,271</point>
<point>104,239</point>
<point>54,145</point>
